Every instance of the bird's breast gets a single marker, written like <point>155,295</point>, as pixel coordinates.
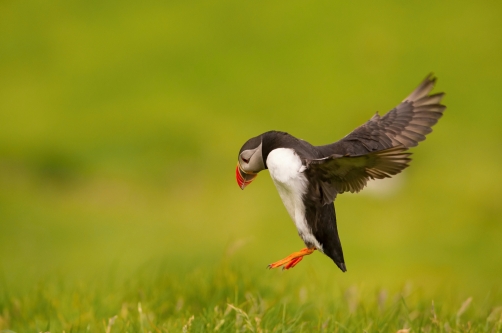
<point>285,166</point>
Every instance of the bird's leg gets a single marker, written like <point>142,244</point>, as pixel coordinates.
<point>292,260</point>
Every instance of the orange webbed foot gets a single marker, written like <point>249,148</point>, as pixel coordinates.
<point>292,260</point>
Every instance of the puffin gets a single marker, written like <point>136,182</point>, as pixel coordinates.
<point>309,178</point>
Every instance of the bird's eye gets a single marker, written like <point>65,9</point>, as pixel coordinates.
<point>245,160</point>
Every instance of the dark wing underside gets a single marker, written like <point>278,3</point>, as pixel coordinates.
<point>405,125</point>
<point>337,174</point>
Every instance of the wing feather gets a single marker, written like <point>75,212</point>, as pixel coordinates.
<point>405,125</point>
<point>338,174</point>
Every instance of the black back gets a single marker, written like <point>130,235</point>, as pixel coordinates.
<point>274,139</point>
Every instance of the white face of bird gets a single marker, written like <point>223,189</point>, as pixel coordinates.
<point>250,162</point>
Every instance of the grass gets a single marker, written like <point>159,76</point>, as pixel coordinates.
<point>227,298</point>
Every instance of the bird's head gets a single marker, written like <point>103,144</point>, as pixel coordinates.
<point>250,162</point>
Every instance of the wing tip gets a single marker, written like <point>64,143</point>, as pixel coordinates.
<point>423,89</point>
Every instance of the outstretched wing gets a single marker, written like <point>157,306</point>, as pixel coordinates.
<point>337,174</point>
<point>405,125</point>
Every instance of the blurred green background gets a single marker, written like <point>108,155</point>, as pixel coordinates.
<point>120,124</point>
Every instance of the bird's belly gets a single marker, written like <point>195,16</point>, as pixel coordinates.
<point>284,166</point>
<point>290,201</point>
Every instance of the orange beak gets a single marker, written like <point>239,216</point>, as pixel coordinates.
<point>244,178</point>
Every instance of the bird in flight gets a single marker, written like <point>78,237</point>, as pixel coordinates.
<point>308,178</point>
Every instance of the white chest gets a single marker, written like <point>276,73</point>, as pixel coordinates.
<point>286,170</point>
